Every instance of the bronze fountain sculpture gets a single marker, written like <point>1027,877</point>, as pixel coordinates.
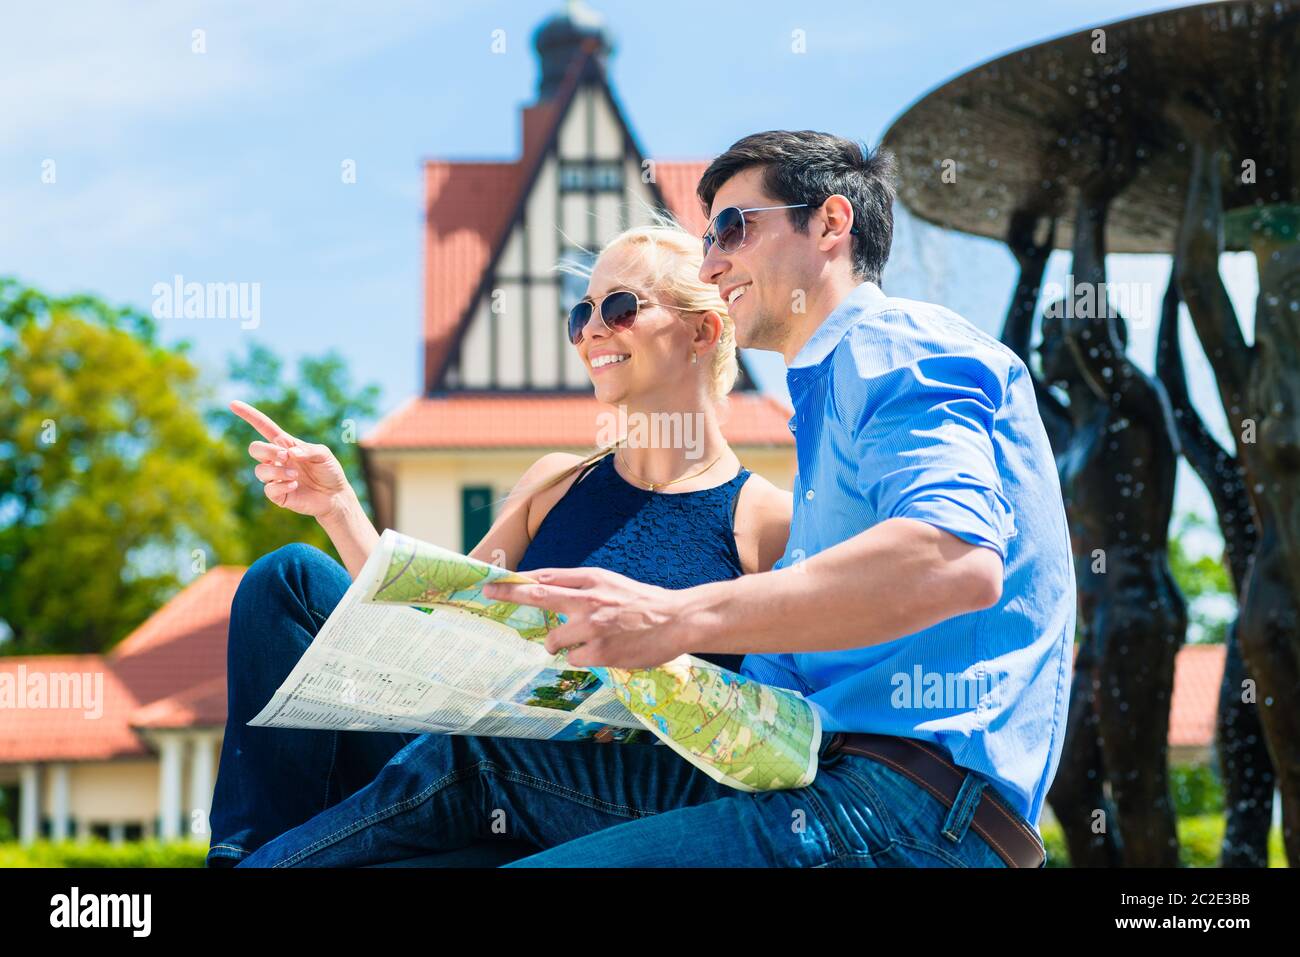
<point>1244,764</point>
<point>1116,136</point>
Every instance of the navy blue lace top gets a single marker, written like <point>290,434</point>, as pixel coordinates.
<point>673,540</point>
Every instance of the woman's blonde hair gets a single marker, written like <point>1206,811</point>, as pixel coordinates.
<point>673,257</point>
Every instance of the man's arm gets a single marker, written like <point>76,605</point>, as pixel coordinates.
<point>893,580</point>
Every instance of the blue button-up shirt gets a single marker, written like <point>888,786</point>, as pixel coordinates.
<point>905,410</point>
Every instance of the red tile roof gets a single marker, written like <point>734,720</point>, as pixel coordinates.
<point>40,733</point>
<point>1196,695</point>
<point>183,644</point>
<point>203,706</point>
<point>169,672</point>
<point>677,181</point>
<point>504,420</point>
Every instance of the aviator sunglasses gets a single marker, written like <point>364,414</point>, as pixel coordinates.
<point>618,310</point>
<point>728,227</point>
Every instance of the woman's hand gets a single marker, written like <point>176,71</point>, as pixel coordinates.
<point>301,476</point>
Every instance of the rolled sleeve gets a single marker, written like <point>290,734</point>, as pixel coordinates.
<point>925,449</point>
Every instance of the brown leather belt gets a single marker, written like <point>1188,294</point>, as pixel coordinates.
<point>1005,831</point>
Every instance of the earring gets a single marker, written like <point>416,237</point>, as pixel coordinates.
<point>695,358</point>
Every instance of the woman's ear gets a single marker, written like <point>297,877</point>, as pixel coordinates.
<point>709,330</point>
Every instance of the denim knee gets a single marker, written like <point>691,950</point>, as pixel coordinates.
<point>420,763</point>
<point>283,565</point>
<point>277,588</point>
<point>275,564</point>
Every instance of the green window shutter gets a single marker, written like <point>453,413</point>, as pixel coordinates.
<point>475,515</point>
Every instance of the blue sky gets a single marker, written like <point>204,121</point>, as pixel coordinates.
<point>225,166</point>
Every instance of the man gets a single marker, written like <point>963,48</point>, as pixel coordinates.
<point>926,594</point>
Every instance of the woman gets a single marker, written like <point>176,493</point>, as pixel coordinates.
<point>655,340</point>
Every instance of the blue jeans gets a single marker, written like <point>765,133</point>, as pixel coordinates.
<point>271,780</point>
<point>579,803</point>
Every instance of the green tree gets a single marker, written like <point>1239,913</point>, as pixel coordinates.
<point>110,492</point>
<point>1199,578</point>
<point>320,406</point>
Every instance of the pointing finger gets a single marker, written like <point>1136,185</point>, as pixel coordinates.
<point>262,422</point>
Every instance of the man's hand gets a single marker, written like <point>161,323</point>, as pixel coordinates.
<point>613,621</point>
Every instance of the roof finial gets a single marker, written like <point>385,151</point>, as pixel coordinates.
<point>560,37</point>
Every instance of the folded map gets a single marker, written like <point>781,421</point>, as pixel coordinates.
<point>415,646</point>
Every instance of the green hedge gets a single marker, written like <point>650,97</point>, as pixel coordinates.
<point>1196,789</point>
<point>98,853</point>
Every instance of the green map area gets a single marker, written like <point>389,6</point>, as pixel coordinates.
<point>423,575</point>
<point>754,735</point>
<point>740,732</point>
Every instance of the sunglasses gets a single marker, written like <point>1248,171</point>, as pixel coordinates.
<point>618,310</point>
<point>728,227</point>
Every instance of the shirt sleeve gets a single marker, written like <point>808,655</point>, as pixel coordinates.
<point>774,669</point>
<point>925,449</point>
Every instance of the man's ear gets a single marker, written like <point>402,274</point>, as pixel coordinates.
<point>836,220</point>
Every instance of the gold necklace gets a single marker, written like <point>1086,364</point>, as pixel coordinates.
<point>652,486</point>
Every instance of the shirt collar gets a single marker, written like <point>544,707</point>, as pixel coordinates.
<point>864,300</point>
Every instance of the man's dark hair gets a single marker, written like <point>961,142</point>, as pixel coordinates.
<point>808,167</point>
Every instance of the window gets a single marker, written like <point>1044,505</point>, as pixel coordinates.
<point>475,515</point>
<point>604,176</point>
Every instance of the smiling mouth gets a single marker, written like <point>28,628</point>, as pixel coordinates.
<point>607,360</point>
<point>734,296</point>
